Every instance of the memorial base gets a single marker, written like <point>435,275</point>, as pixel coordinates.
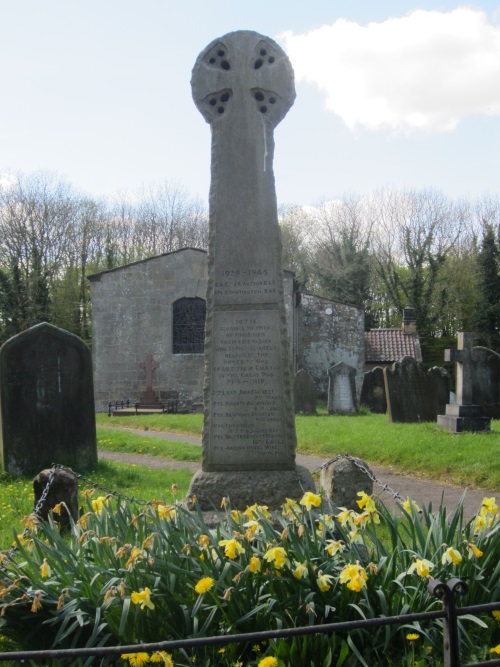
<point>464,418</point>
<point>246,488</point>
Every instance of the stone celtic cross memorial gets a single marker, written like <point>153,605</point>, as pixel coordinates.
<point>243,85</point>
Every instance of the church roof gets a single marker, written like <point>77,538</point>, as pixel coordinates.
<point>389,345</point>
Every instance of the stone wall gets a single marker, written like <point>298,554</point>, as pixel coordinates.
<point>132,316</point>
<point>329,332</point>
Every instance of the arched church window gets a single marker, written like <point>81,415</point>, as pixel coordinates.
<point>189,325</point>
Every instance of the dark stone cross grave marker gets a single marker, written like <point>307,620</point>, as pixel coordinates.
<point>463,415</point>
<point>243,85</point>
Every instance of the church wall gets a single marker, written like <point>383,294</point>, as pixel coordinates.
<point>329,332</point>
<point>132,316</point>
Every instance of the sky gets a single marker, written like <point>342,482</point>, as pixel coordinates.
<point>390,94</point>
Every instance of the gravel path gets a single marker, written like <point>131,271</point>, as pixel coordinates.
<point>422,491</point>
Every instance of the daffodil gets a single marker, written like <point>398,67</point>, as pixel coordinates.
<point>324,581</point>
<point>255,564</point>
<point>489,506</point>
<point>366,502</point>
<point>334,546</point>
<point>99,503</point>
<point>232,548</point>
<point>422,567</point>
<point>300,571</point>
<point>354,576</point>
<point>452,556</point>
<point>45,568</point>
<point>345,516</point>
<point>473,551</point>
<point>135,554</point>
<point>204,585</point>
<point>204,541</point>
<point>495,649</point>
<point>410,506</point>
<point>167,512</point>
<point>310,500</point>
<point>276,554</point>
<point>143,598</point>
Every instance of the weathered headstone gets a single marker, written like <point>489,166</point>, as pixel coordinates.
<point>47,410</point>
<point>243,85</point>
<point>373,391</point>
<point>464,415</point>
<point>486,381</point>
<point>304,393</point>
<point>342,397</point>
<point>413,393</point>
<point>149,365</point>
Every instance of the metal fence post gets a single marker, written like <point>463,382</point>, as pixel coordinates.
<point>446,592</point>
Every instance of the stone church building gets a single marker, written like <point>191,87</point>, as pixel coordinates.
<point>157,307</point>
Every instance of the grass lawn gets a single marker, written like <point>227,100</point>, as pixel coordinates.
<point>471,459</point>
<point>120,441</point>
<point>16,494</point>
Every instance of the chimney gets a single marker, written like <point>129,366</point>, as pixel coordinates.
<point>409,321</point>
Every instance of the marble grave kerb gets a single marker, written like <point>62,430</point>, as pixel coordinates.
<point>243,85</point>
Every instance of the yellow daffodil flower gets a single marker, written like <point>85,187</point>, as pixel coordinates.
<point>324,581</point>
<point>167,512</point>
<point>143,598</point>
<point>422,567</point>
<point>163,658</point>
<point>204,541</point>
<point>366,502</point>
<point>473,551</point>
<point>489,506</point>
<point>135,554</point>
<point>232,548</point>
<point>204,585</point>
<point>410,506</point>
<point>45,568</point>
<point>255,564</point>
<point>452,556</point>
<point>354,576</point>
<point>300,571</point>
<point>334,546</point>
<point>495,649</point>
<point>99,504</point>
<point>276,554</point>
<point>310,500</point>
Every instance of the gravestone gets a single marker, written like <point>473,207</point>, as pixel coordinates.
<point>149,365</point>
<point>63,488</point>
<point>342,397</point>
<point>486,381</point>
<point>373,391</point>
<point>46,401</point>
<point>413,393</point>
<point>243,86</point>
<point>304,393</point>
<point>464,415</point>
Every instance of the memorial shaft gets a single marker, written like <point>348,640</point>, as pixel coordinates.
<point>243,85</point>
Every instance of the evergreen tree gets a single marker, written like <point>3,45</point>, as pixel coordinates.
<point>486,319</point>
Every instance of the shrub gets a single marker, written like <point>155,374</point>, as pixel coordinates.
<point>124,578</point>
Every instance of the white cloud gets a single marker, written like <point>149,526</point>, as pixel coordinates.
<point>425,71</point>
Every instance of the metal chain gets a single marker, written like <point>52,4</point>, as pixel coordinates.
<point>368,473</point>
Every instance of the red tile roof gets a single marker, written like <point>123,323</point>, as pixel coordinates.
<point>389,345</point>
